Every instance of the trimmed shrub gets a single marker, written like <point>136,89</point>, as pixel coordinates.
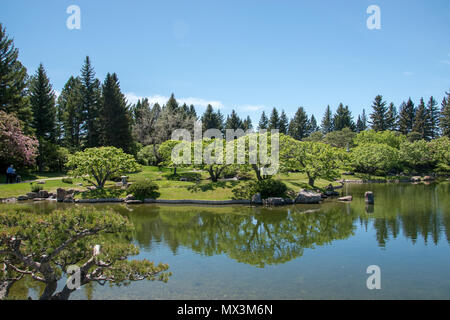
<point>67,180</point>
<point>144,189</point>
<point>267,188</point>
<point>36,187</point>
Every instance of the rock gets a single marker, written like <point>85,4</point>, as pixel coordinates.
<point>38,199</point>
<point>43,194</point>
<point>184,179</point>
<point>69,198</point>
<point>70,191</point>
<point>331,193</point>
<point>323,195</point>
<point>133,202</point>
<point>288,201</point>
<point>118,184</point>
<point>32,195</point>
<point>272,201</point>
<point>346,198</point>
<point>79,184</point>
<point>416,179</point>
<point>308,197</point>
<point>428,178</point>
<point>256,199</point>
<point>124,180</point>
<point>92,188</point>
<point>40,182</point>
<point>60,194</point>
<point>369,197</point>
<point>22,198</point>
<point>130,197</point>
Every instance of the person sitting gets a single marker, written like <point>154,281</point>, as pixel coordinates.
<point>10,174</point>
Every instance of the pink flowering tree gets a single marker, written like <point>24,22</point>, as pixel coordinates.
<point>15,146</point>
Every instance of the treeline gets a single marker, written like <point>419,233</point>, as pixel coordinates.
<point>37,125</point>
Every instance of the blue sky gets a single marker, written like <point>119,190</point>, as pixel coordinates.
<point>244,55</point>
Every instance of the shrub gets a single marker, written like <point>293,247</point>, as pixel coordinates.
<point>144,189</point>
<point>267,188</point>
<point>36,187</point>
<point>67,180</point>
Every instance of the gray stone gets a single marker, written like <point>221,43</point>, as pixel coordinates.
<point>43,194</point>
<point>331,193</point>
<point>60,194</point>
<point>32,195</point>
<point>346,198</point>
<point>428,178</point>
<point>369,197</point>
<point>308,197</point>
<point>288,201</point>
<point>69,198</point>
<point>133,202</point>
<point>130,197</point>
<point>40,182</point>
<point>273,201</point>
<point>87,200</point>
<point>124,180</point>
<point>38,199</point>
<point>416,179</point>
<point>22,198</point>
<point>256,199</point>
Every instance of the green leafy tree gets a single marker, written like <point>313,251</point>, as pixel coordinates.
<point>374,158</point>
<point>327,121</point>
<point>406,117</point>
<point>90,239</point>
<point>416,155</point>
<point>284,123</point>
<point>298,127</point>
<point>391,138</point>
<point>166,150</point>
<point>263,122</point>
<point>379,114</point>
<point>444,120</point>
<point>340,139</point>
<point>440,149</point>
<point>343,119</point>
<point>13,82</point>
<point>274,120</point>
<point>115,116</point>
<point>97,165</point>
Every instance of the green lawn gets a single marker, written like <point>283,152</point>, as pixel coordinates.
<point>169,187</point>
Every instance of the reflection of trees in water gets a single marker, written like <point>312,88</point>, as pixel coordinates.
<point>254,236</point>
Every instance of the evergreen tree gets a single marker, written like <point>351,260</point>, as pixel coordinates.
<point>233,121</point>
<point>444,120</point>
<point>247,124</point>
<point>115,116</point>
<point>343,119</point>
<point>91,105</point>
<point>13,82</point>
<point>327,121</point>
<point>406,117</point>
<point>359,125</point>
<point>274,120</point>
<point>312,125</point>
<point>364,119</point>
<point>172,103</point>
<point>211,119</point>
<point>378,116</point>
<point>70,111</point>
<point>263,122</point>
<point>298,127</point>
<point>421,121</point>
<point>139,108</point>
<point>192,112</point>
<point>284,123</point>
<point>392,118</point>
<point>433,116</point>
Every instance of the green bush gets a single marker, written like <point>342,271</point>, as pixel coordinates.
<point>144,189</point>
<point>36,187</point>
<point>267,188</point>
<point>67,180</point>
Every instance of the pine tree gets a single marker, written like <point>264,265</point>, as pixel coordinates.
<point>13,82</point>
<point>312,125</point>
<point>139,108</point>
<point>263,122</point>
<point>284,123</point>
<point>298,127</point>
<point>406,117</point>
<point>378,116</point>
<point>192,111</point>
<point>70,110</point>
<point>392,118</point>
<point>364,119</point>
<point>233,121</point>
<point>359,125</point>
<point>172,103</point>
<point>247,124</point>
<point>433,116</point>
<point>444,120</point>
<point>115,116</point>
<point>327,121</point>
<point>209,119</point>
<point>274,120</point>
<point>343,119</point>
<point>91,105</point>
<point>421,121</point>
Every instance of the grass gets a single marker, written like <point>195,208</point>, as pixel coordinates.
<point>169,186</point>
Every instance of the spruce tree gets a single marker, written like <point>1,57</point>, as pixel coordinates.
<point>247,124</point>
<point>263,122</point>
<point>378,116</point>
<point>312,125</point>
<point>172,103</point>
<point>327,121</point>
<point>284,123</point>
<point>91,105</point>
<point>364,119</point>
<point>421,121</point>
<point>115,116</point>
<point>298,127</point>
<point>13,82</point>
<point>70,111</point>
<point>139,108</point>
<point>392,118</point>
<point>444,120</point>
<point>343,119</point>
<point>209,119</point>
<point>433,117</point>
<point>406,117</point>
<point>233,121</point>
<point>359,125</point>
<point>274,120</point>
<point>192,112</point>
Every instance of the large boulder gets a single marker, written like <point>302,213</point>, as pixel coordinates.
<point>428,178</point>
<point>43,194</point>
<point>22,198</point>
<point>60,194</point>
<point>69,198</point>
<point>369,197</point>
<point>273,201</point>
<point>256,199</point>
<point>306,196</point>
<point>32,195</point>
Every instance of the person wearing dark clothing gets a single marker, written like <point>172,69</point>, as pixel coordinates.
<point>11,174</point>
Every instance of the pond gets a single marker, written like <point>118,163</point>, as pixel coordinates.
<point>293,252</point>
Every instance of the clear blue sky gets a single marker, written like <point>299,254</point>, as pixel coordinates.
<point>246,55</point>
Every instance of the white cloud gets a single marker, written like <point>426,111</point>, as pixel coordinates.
<point>197,102</point>
<point>250,107</point>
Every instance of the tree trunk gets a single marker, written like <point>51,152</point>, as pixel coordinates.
<point>311,181</point>
<point>4,288</point>
<point>257,171</point>
<point>49,290</point>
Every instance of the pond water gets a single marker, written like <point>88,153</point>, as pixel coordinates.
<point>294,252</point>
